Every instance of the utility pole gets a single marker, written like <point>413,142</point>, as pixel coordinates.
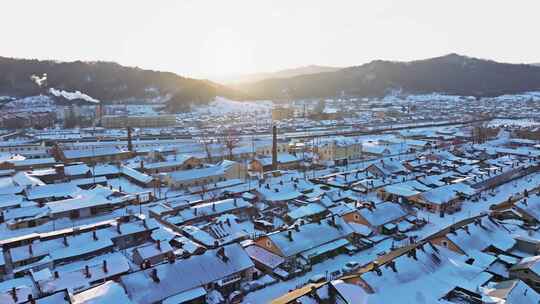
<point>274,148</point>
<point>315,148</point>
<point>129,143</point>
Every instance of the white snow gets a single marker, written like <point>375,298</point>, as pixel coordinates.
<point>109,292</point>
<point>223,105</point>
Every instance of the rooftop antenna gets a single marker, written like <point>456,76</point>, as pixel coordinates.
<point>129,143</point>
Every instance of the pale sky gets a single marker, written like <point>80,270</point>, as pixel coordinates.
<point>200,38</point>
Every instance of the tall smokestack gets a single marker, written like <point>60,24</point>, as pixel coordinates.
<point>130,144</point>
<point>99,113</point>
<point>274,147</point>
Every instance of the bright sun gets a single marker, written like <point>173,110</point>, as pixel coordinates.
<point>226,53</point>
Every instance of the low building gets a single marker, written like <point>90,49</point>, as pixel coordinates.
<point>386,168</point>
<point>285,161</point>
<point>208,175</point>
<point>306,244</point>
<point>27,163</point>
<point>91,273</point>
<point>222,269</point>
<point>446,198</point>
<point>382,218</point>
<point>138,121</point>
<point>91,155</point>
<point>179,162</point>
<point>528,270</point>
<point>340,150</point>
<point>209,210</point>
<point>153,253</point>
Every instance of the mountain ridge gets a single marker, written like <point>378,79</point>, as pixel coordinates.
<point>111,82</point>
<point>285,73</point>
<point>106,81</point>
<point>451,74</point>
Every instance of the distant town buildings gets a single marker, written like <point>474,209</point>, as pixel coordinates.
<point>138,121</point>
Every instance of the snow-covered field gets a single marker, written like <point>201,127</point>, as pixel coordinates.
<point>223,105</point>
<point>514,122</point>
<point>398,96</point>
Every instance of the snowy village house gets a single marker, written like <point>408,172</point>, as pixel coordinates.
<point>222,171</point>
<point>386,218</point>
<point>180,162</point>
<point>310,243</point>
<point>387,168</point>
<point>339,150</point>
<point>91,155</point>
<point>448,198</point>
<point>285,161</point>
<point>189,280</point>
<point>528,270</point>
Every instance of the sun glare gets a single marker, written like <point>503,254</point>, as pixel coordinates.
<point>226,53</point>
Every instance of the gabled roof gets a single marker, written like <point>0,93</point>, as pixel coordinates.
<point>389,167</point>
<point>480,236</point>
<point>95,152</point>
<point>209,209</point>
<point>23,179</point>
<point>309,236</point>
<point>447,193</point>
<point>79,169</point>
<point>52,190</point>
<point>264,256</point>
<point>187,175</point>
<point>439,271</point>
<point>282,158</point>
<point>305,211</point>
<point>531,207</point>
<point>184,275</point>
<point>530,263</point>
<point>136,175</point>
<point>109,292</point>
<point>382,213</point>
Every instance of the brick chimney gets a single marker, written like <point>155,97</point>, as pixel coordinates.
<point>59,169</point>
<point>274,147</point>
<point>87,271</point>
<point>154,275</point>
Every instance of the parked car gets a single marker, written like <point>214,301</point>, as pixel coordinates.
<point>318,278</point>
<point>236,297</point>
<point>350,267</point>
<point>336,273</point>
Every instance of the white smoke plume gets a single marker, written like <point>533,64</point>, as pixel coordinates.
<point>40,81</point>
<point>72,95</point>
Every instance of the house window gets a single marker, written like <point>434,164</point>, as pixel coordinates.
<point>268,244</point>
<point>356,217</point>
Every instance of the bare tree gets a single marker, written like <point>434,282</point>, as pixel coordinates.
<point>230,141</point>
<point>206,144</point>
